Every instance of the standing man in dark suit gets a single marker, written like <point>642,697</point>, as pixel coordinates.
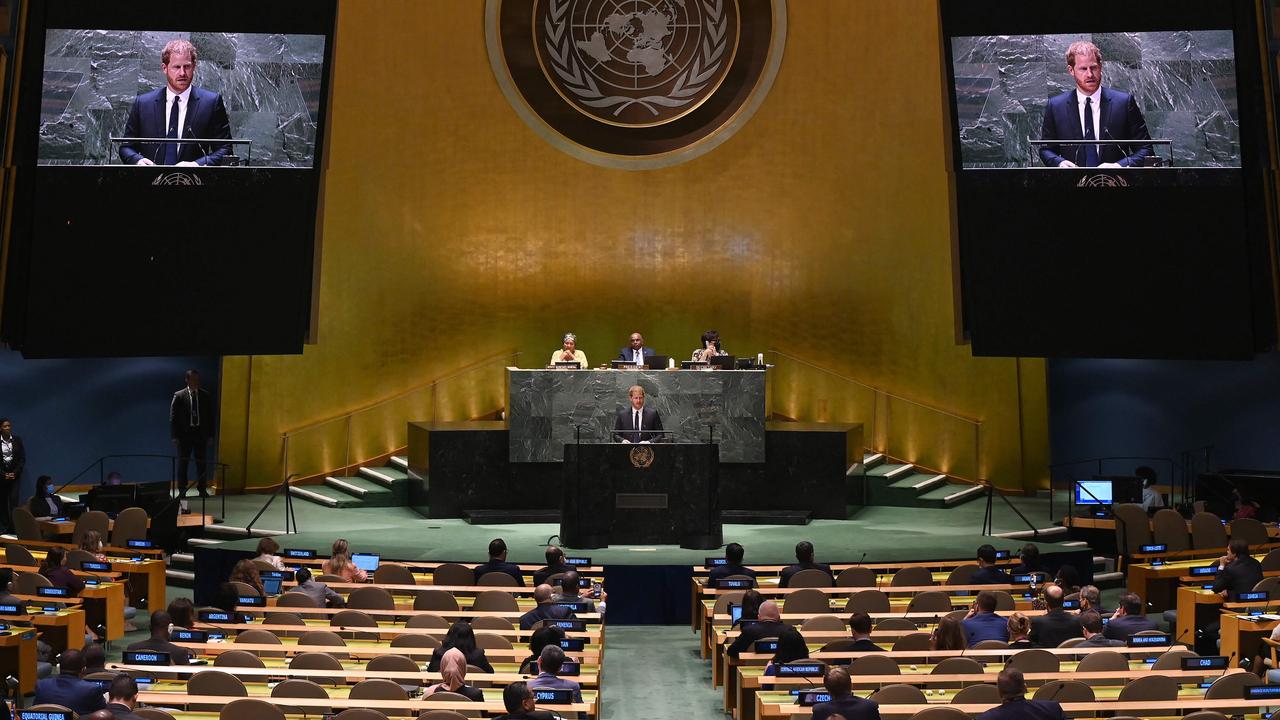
<point>1092,112</point>
<point>733,553</point>
<point>498,563</point>
<point>177,111</point>
<point>1014,704</point>
<point>843,702</point>
<point>804,561</point>
<point>13,458</point>
<point>191,424</point>
<point>638,423</point>
<point>635,351</point>
<point>1056,625</point>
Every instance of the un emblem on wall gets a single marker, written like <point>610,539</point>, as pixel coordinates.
<point>635,83</point>
<point>641,456</point>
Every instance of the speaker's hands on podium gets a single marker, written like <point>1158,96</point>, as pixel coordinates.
<point>188,163</point>
<point>144,161</point>
<point>1067,164</point>
<point>1109,165</point>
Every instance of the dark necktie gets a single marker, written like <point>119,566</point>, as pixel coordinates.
<point>635,424</point>
<point>195,409</point>
<point>171,149</point>
<point>1090,151</point>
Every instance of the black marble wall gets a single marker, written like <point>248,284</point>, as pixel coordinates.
<point>1185,83</point>
<point>269,82</point>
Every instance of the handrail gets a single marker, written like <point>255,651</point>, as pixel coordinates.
<point>219,475</point>
<point>509,356</point>
<point>989,521</point>
<point>880,419</point>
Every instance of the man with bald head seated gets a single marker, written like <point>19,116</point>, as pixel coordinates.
<point>555,565</point>
<point>843,703</point>
<point>67,689</point>
<point>570,592</point>
<point>122,697</point>
<point>768,625</point>
<point>546,608</point>
<point>1056,625</point>
<point>1014,704</point>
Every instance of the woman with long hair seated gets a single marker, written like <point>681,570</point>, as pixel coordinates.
<point>453,670</point>
<point>182,614</point>
<point>267,549</point>
<point>55,569</point>
<point>91,543</point>
<point>339,563</point>
<point>245,572</point>
<point>45,503</point>
<point>949,635</point>
<point>462,637</point>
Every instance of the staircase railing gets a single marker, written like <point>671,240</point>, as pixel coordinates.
<point>888,419</point>
<point>379,427</point>
<point>217,475</point>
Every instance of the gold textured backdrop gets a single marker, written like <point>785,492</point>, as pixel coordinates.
<point>452,233</point>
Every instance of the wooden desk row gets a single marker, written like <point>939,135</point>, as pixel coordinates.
<point>588,679</point>
<point>394,708</point>
<point>146,576</point>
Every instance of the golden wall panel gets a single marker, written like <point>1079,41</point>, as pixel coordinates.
<point>452,233</point>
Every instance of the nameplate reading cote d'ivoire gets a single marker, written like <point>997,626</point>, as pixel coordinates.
<point>635,84</point>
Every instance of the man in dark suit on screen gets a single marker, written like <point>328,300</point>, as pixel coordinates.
<point>191,424</point>
<point>637,423</point>
<point>1092,112</point>
<point>178,110</point>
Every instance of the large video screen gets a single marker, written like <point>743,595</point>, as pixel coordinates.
<point>1109,166</point>
<point>260,92</point>
<point>168,160</point>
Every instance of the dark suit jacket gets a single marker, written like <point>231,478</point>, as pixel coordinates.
<point>865,645</point>
<point>624,425</point>
<point>476,657</point>
<point>1239,577</point>
<point>721,572</point>
<point>785,576</point>
<point>180,415</point>
<point>70,691</point>
<point>627,355</point>
<point>1024,710</point>
<point>544,611</point>
<point>531,715</point>
<point>1120,120</point>
<point>19,460</point>
<point>849,707</point>
<point>540,576</point>
<point>752,633</point>
<point>206,118</point>
<point>122,712</point>
<point>40,507</point>
<point>1123,627</point>
<point>177,655</point>
<point>64,578</point>
<point>990,576</point>
<point>511,569</point>
<point>1055,626</point>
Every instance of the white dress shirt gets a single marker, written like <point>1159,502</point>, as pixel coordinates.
<point>182,98</point>
<point>1096,107</point>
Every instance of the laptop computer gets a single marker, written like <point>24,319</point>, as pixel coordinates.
<point>658,362</point>
<point>367,562</point>
<point>271,585</point>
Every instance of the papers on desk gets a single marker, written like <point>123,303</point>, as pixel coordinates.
<point>1261,617</point>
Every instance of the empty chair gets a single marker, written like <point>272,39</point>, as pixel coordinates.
<point>152,714</point>
<point>324,638</point>
<point>452,574</point>
<point>250,709</point>
<point>15,554</point>
<point>1205,715</point>
<point>1151,687</point>
<point>360,714</point>
<point>991,645</point>
<point>497,579</point>
<point>77,556</point>
<point>314,661</point>
<point>1172,660</point>
<point>821,623</point>
<point>913,641</point>
<point>296,599</point>
<point>961,575</point>
<point>1103,661</point>
<point>415,640</point>
<point>806,601</point>
<point>260,637</point>
<point>393,574</point>
<point>914,576</point>
<point>377,689</point>
<point>214,682</point>
<point>811,578</point>
<point>327,578</point>
<point>1133,529</point>
<point>495,601</point>
<point>491,622</point>
<point>490,641</point>
<point>92,520</point>
<point>131,524</point>
<point>27,583</point>
<point>300,688</point>
<point>1269,585</point>
<point>896,624</point>
<point>958,666</point>
<point>1169,528</point>
<point>1036,660</point>
<point>263,566</point>
<point>370,598</point>
<point>1207,532</point>
<point>1004,601</point>
<point>442,715</point>
<point>899,694</point>
<point>25,525</point>
<point>1250,530</point>
<point>980,694</point>
<point>867,601</point>
<point>930,601</point>
<point>392,663</point>
<point>942,712</point>
<point>858,576</point>
<point>1270,563</point>
<point>874,664</point>
<point>725,600</point>
<point>285,618</point>
<point>1064,691</point>
<point>1231,687</point>
<point>238,658</point>
<point>427,621</point>
<point>243,588</point>
<point>355,619</point>
<point>434,599</point>
<point>1071,642</point>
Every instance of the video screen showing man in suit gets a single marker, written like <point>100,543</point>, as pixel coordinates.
<point>179,110</point>
<point>1093,112</point>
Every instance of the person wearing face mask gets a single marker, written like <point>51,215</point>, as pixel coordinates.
<point>46,503</point>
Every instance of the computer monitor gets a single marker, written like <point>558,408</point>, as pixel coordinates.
<point>735,614</point>
<point>1093,492</point>
<point>367,562</point>
<point>724,362</point>
<point>658,362</point>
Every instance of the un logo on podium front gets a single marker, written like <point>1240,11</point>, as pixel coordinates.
<point>641,456</point>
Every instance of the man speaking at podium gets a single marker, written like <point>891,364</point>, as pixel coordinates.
<point>177,110</point>
<point>1092,112</point>
<point>637,423</point>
